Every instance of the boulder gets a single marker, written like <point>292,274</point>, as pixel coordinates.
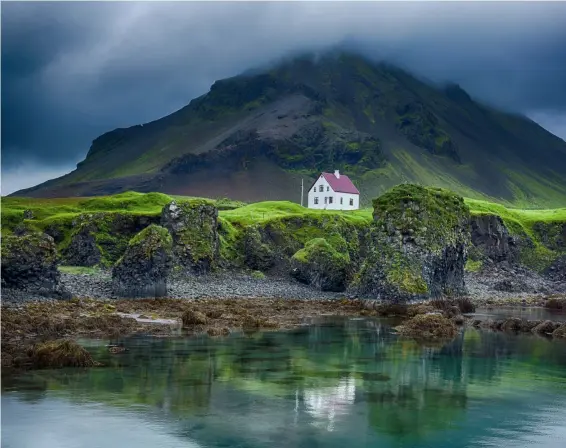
<point>320,265</point>
<point>490,236</point>
<point>546,327</point>
<point>143,269</point>
<point>193,224</point>
<point>560,332</point>
<point>417,245</point>
<point>513,324</point>
<point>29,263</point>
<point>257,255</point>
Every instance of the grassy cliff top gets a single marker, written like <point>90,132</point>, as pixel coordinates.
<point>236,213</point>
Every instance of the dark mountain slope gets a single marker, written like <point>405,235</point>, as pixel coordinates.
<point>255,136</point>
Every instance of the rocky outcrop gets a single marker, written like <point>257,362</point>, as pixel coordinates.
<point>29,263</point>
<point>83,250</point>
<point>322,266</point>
<point>143,269</point>
<point>257,255</point>
<point>102,237</point>
<point>419,243</point>
<point>193,225</point>
<point>490,236</point>
<point>557,270</point>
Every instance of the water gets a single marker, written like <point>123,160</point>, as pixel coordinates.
<point>341,382</point>
<point>529,313</point>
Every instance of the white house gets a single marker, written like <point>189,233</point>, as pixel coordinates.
<point>333,192</point>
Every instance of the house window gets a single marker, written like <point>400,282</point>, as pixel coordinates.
<point>321,188</point>
<point>327,188</point>
<point>341,201</point>
<point>330,200</point>
<point>351,201</point>
<point>316,200</point>
<point>325,200</point>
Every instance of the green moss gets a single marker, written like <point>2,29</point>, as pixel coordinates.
<point>473,266</point>
<point>197,238</point>
<point>538,231</point>
<point>430,214</point>
<point>151,237</point>
<point>407,278</point>
<point>258,275</point>
<point>80,270</point>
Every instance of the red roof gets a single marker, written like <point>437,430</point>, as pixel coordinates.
<point>343,184</point>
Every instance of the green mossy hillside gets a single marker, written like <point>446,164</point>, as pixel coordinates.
<point>282,227</point>
<point>540,234</point>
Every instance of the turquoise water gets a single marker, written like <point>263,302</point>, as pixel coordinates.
<point>339,383</point>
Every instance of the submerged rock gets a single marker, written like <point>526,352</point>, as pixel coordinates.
<point>29,263</point>
<point>546,327</point>
<point>428,327</point>
<point>58,354</point>
<point>193,225</point>
<point>560,332</point>
<point>320,265</point>
<point>143,269</point>
<point>418,244</point>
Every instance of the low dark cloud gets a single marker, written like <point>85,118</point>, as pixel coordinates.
<point>71,71</point>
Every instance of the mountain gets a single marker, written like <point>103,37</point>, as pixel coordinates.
<point>255,136</point>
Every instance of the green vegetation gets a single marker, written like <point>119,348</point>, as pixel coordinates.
<point>79,270</point>
<point>473,265</point>
<point>538,229</point>
<point>282,226</point>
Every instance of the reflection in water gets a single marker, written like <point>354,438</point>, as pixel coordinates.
<point>342,382</point>
<point>327,403</point>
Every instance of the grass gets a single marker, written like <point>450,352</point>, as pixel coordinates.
<point>234,217</point>
<point>261,212</point>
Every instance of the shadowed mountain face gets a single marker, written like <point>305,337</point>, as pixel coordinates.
<point>254,136</point>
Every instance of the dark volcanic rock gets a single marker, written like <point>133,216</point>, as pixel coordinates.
<point>29,263</point>
<point>557,270</point>
<point>83,250</point>
<point>102,237</point>
<point>491,237</point>
<point>320,265</point>
<point>143,270</point>
<point>418,245</point>
<point>257,254</point>
<point>193,225</point>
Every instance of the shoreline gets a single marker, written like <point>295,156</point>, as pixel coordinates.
<point>29,323</point>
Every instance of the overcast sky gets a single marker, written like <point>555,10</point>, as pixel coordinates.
<point>72,71</point>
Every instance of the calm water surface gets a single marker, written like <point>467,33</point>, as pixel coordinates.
<point>342,383</point>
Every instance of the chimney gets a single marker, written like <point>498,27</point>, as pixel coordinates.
<point>337,174</point>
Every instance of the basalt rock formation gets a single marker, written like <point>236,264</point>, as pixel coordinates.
<point>29,263</point>
<point>322,266</point>
<point>193,225</point>
<point>143,269</point>
<point>419,243</point>
<point>490,236</point>
<point>100,238</point>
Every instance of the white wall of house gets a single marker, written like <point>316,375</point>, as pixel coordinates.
<point>328,199</point>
